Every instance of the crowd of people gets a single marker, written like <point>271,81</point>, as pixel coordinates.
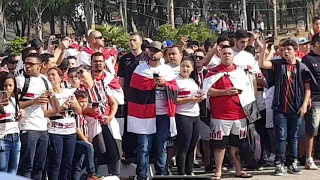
<point>74,107</point>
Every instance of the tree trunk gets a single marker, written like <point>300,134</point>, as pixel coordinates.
<point>2,48</point>
<point>23,26</point>
<point>52,25</point>
<point>62,26</point>
<point>281,14</point>
<point>39,26</point>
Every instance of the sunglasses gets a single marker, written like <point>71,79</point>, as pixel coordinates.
<point>199,57</point>
<point>31,64</point>
<point>99,37</point>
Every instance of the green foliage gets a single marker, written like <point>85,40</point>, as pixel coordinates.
<point>166,32</point>
<point>199,32</point>
<point>17,45</point>
<point>114,35</point>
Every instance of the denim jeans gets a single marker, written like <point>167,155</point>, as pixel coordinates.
<point>60,152</point>
<point>34,145</point>
<point>286,127</point>
<point>83,157</point>
<point>10,146</point>
<point>144,146</point>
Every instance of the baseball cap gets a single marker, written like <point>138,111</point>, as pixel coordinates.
<point>167,43</point>
<point>304,40</point>
<point>156,45</point>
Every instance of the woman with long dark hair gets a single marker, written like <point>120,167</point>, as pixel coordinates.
<point>62,128</point>
<point>187,114</point>
<point>9,126</point>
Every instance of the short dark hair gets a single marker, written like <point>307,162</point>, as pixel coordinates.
<point>316,18</point>
<point>45,57</point>
<point>209,43</point>
<point>36,56</point>
<point>81,94</point>
<point>60,73</point>
<point>315,39</point>
<point>200,50</point>
<point>241,34</point>
<point>71,57</point>
<point>96,54</point>
<point>36,43</point>
<point>26,51</point>
<point>176,46</point>
<point>64,64</point>
<point>292,43</point>
<point>136,34</point>
<point>72,70</point>
<point>222,38</point>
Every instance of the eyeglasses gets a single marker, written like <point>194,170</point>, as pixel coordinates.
<point>199,57</point>
<point>99,37</point>
<point>30,63</point>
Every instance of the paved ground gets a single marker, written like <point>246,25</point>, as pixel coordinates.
<point>267,174</point>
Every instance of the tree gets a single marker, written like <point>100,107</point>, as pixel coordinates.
<point>3,6</point>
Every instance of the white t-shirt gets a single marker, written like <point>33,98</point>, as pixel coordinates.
<point>175,69</point>
<point>160,93</point>
<point>10,113</point>
<point>34,117</point>
<point>187,88</point>
<point>67,124</point>
<point>245,60</point>
<point>215,61</point>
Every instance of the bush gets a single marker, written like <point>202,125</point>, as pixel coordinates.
<point>17,45</point>
<point>114,35</point>
<point>199,32</point>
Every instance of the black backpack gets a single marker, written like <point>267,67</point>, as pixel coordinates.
<point>26,86</point>
<point>251,147</point>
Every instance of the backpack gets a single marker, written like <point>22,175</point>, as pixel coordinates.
<point>26,86</point>
<point>250,150</point>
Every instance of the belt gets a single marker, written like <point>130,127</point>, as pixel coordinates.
<point>52,118</point>
<point>260,89</point>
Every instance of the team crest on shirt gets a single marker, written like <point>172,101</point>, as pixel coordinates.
<point>212,127</point>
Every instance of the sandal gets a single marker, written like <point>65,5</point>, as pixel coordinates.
<point>216,177</point>
<point>244,175</point>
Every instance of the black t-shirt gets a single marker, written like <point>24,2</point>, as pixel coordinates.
<point>312,61</point>
<point>127,65</point>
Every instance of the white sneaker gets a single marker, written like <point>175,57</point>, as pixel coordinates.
<point>310,164</point>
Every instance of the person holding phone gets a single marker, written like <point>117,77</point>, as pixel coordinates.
<point>62,128</point>
<point>9,124</point>
<point>230,93</point>
<point>187,115</point>
<point>100,115</point>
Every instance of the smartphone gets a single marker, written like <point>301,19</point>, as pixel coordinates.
<point>239,91</point>
<point>155,75</point>
<point>270,40</point>
<point>4,97</point>
<point>95,105</point>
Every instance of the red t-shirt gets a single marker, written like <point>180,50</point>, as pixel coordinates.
<point>225,107</point>
<point>300,54</point>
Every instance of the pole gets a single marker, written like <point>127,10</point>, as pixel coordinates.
<point>244,15</point>
<point>205,11</point>
<point>125,16</point>
<point>171,14</point>
<point>275,18</point>
<point>92,15</point>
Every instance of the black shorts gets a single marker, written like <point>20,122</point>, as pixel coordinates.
<point>231,140</point>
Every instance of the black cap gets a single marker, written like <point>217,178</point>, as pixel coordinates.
<point>191,43</point>
<point>36,43</point>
